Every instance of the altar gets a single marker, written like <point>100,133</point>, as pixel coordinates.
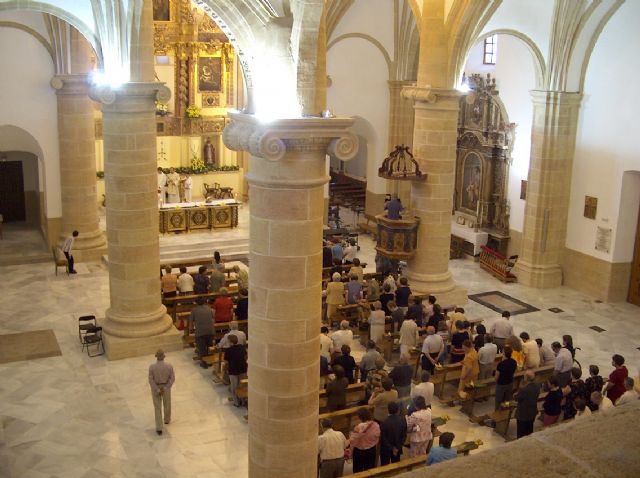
<point>189,216</point>
<point>470,236</point>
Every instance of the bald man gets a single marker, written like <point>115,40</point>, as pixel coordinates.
<point>527,398</point>
<point>161,378</point>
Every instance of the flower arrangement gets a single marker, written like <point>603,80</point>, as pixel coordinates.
<point>193,111</point>
<point>162,109</point>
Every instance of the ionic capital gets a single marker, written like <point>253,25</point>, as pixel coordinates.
<point>110,96</point>
<point>430,96</point>
<point>70,84</point>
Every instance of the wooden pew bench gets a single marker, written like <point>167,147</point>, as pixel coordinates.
<point>451,375</point>
<point>496,264</point>
<point>355,394</point>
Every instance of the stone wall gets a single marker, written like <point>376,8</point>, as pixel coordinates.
<point>598,446</point>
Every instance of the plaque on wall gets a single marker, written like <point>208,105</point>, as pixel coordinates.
<point>603,239</point>
<point>210,100</point>
<point>590,207</point>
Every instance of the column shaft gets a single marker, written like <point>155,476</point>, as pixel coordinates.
<point>434,145</point>
<point>553,137</point>
<point>136,310</point>
<point>287,175</point>
<point>76,133</point>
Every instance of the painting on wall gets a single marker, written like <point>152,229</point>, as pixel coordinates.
<point>590,207</point>
<point>209,73</point>
<point>161,11</point>
<point>471,181</point>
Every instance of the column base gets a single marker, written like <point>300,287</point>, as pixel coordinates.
<point>119,348</point>
<point>539,276</point>
<point>441,286</point>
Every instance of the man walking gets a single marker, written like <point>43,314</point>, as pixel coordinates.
<point>161,378</point>
<point>67,248</point>
<point>527,398</point>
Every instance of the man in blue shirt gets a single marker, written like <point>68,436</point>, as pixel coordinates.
<point>394,207</point>
<point>443,452</point>
<point>338,253</point>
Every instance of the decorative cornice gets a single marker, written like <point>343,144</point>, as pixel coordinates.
<point>274,139</point>
<point>427,94</point>
<point>545,97</point>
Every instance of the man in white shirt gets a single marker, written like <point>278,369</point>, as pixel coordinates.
<point>531,351</point>
<point>501,330</point>
<point>343,336</point>
<point>424,388</point>
<point>432,349</point>
<point>350,252</point>
<point>326,344</point>
<point>242,337</point>
<point>67,248</point>
<point>408,335</point>
<point>547,356</point>
<point>630,396</point>
<point>563,364</point>
<point>185,281</point>
<point>331,446</point>
<point>487,357</point>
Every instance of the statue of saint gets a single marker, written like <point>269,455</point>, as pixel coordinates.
<point>209,153</point>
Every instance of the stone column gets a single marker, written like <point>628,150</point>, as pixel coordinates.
<point>434,146</point>
<point>77,142</point>
<point>401,118</point>
<point>287,175</point>
<point>553,138</point>
<point>137,322</point>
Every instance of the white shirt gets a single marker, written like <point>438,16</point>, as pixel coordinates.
<point>224,342</point>
<point>424,389</point>
<point>68,245</point>
<point>408,333</point>
<point>531,354</point>
<point>350,253</point>
<point>487,353</point>
<point>501,328</point>
<point>162,180</point>
<point>432,344</point>
<point>188,182</point>
<point>185,283</point>
<point>627,397</point>
<point>341,337</point>
<point>606,405</point>
<point>392,284</point>
<point>564,361</point>
<point>585,413</point>
<point>331,445</point>
<point>547,355</point>
<point>326,344</point>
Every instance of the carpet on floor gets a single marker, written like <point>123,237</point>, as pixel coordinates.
<point>500,302</point>
<point>28,346</point>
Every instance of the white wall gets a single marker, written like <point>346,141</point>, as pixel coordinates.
<point>515,77</point>
<point>28,102</point>
<point>359,75</point>
<point>607,142</point>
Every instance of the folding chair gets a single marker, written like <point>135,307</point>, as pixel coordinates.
<point>86,324</point>
<point>94,337</point>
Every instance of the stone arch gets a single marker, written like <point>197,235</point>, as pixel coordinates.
<point>33,33</point>
<point>61,13</point>
<point>367,38</point>
<point>537,56</point>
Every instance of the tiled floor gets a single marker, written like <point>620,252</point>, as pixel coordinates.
<point>74,416</point>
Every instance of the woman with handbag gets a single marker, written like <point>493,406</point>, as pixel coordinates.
<point>364,439</point>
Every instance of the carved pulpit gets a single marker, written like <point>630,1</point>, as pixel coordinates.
<point>485,140</point>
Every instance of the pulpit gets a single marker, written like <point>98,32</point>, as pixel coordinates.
<point>397,238</point>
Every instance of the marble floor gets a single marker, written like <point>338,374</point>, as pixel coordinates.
<point>75,416</point>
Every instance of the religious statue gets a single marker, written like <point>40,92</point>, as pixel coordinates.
<point>209,153</point>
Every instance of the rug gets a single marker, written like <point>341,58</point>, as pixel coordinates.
<point>499,301</point>
<point>28,346</point>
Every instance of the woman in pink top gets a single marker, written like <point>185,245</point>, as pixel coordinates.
<point>419,425</point>
<point>364,439</point>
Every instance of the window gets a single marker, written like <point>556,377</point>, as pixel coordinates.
<point>490,50</point>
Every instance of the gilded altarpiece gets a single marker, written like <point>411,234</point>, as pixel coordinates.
<point>485,140</point>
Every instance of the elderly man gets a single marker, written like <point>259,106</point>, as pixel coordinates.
<point>527,409</point>
<point>563,364</point>
<point>486,357</point>
<point>236,358</point>
<point>331,446</point>
<point>201,321</point>
<point>630,395</point>
<point>217,280</point>
<point>368,360</point>
<point>424,389</point>
<point>161,379</point>
<point>343,336</point>
<point>242,276</point>
<point>530,350</point>
<point>402,374</point>
<point>225,343</point>
<point>432,349</point>
<point>501,330</point>
<point>408,335</point>
<point>335,295</point>
<point>470,367</point>
<point>602,403</point>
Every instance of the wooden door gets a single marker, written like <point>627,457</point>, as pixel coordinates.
<point>634,283</point>
<point>12,191</point>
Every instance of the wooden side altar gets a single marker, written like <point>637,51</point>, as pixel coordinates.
<point>185,217</point>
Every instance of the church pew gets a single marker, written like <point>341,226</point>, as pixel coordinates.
<point>344,420</point>
<point>451,375</point>
<point>220,327</point>
<point>484,389</point>
<point>355,394</point>
<point>409,464</point>
<point>184,303</point>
